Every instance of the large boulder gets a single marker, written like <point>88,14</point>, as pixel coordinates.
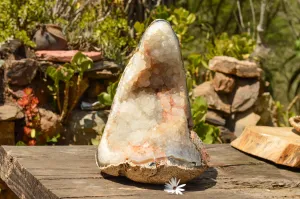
<point>230,65</point>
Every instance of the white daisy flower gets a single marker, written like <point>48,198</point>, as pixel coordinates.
<point>173,187</point>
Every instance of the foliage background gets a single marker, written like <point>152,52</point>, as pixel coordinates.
<point>205,28</point>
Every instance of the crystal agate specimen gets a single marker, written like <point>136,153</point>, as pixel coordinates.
<point>148,135</point>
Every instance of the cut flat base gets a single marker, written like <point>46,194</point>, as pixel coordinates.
<point>280,145</point>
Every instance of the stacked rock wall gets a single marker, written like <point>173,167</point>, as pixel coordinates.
<point>22,68</point>
<point>232,95</point>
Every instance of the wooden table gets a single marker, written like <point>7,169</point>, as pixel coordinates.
<point>70,172</point>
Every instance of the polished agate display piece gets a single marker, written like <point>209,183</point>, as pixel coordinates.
<point>148,135</point>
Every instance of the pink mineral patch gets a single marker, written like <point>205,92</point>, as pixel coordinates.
<point>64,55</point>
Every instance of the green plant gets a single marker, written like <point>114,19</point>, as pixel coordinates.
<point>281,114</point>
<point>238,46</point>
<point>113,37</point>
<point>179,18</point>
<point>208,133</point>
<point>79,64</point>
<point>106,98</point>
<point>19,18</point>
<point>64,74</point>
<point>54,139</point>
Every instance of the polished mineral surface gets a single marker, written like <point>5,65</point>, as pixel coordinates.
<point>148,135</point>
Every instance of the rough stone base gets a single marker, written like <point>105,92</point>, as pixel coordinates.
<point>156,174</point>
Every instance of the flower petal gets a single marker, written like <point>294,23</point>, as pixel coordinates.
<point>182,185</point>
<point>173,181</point>
<point>170,191</point>
<point>178,182</point>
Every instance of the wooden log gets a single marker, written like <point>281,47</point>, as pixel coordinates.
<point>70,172</point>
<point>280,145</point>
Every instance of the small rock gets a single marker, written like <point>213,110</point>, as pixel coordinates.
<point>226,135</point>
<point>248,118</point>
<point>7,133</point>
<point>214,118</point>
<point>223,83</point>
<point>10,112</point>
<point>50,124</point>
<point>230,65</point>
<point>103,70</point>
<point>215,101</point>
<point>20,72</point>
<point>87,106</point>
<point>84,126</point>
<point>64,55</point>
<point>50,37</point>
<point>15,49</point>
<point>245,95</point>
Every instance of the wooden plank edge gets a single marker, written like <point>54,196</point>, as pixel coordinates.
<point>19,180</point>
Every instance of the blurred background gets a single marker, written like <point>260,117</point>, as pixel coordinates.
<point>261,31</point>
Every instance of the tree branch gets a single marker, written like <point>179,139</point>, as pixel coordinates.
<point>286,12</point>
<point>240,15</point>
<point>253,18</point>
<point>260,26</point>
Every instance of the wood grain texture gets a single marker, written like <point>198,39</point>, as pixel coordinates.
<point>280,145</point>
<point>70,172</point>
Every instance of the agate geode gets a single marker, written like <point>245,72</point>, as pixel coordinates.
<point>148,135</point>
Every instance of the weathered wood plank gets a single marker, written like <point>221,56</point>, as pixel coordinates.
<point>277,144</point>
<point>70,172</point>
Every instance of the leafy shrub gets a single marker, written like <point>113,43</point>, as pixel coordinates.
<point>19,18</point>
<point>208,133</point>
<point>112,36</point>
<point>179,18</point>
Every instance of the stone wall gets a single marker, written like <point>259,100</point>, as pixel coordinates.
<point>233,96</point>
<point>21,68</point>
